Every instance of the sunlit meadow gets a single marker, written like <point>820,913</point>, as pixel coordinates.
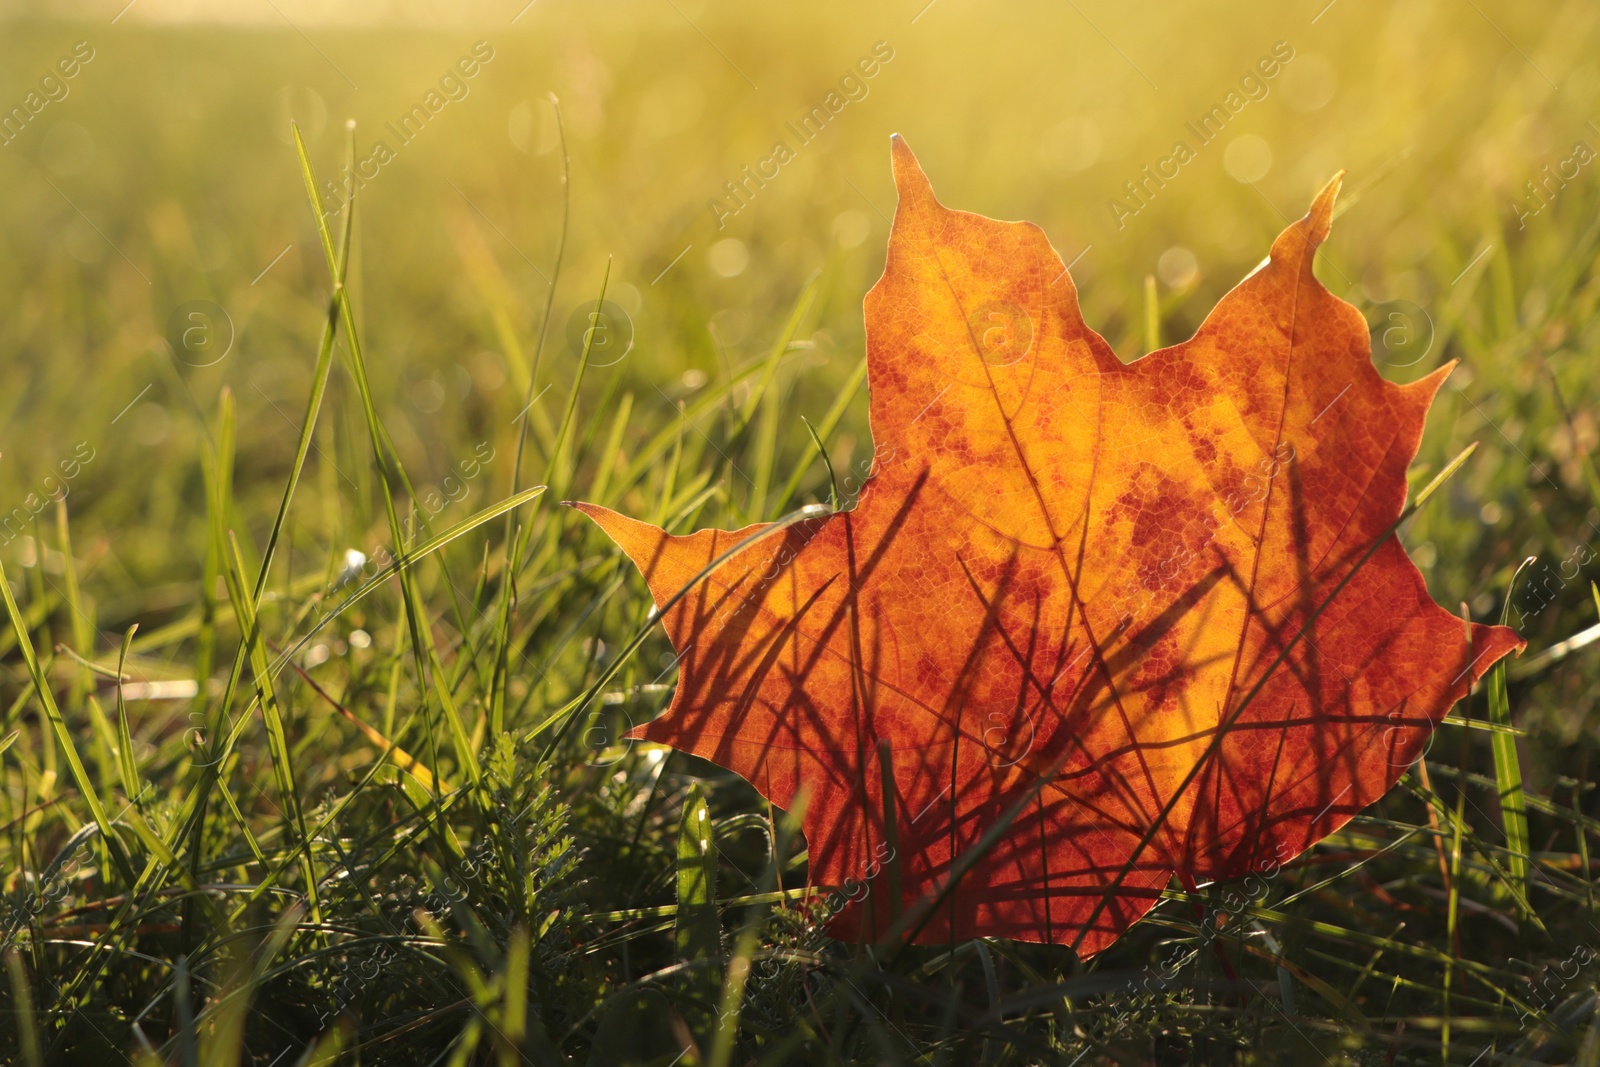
<point>401,824</point>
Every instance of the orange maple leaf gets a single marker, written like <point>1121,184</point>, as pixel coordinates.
<point>1113,623</point>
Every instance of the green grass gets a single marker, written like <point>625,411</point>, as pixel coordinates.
<point>392,820</point>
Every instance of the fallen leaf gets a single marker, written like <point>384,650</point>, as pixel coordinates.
<point>1119,623</point>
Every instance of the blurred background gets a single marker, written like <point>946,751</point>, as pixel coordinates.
<point>158,181</point>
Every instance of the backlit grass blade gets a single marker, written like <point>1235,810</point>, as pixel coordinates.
<point>731,1006</point>
<point>27,1027</point>
<point>277,737</point>
<point>514,541</point>
<point>647,458</point>
<point>560,468</point>
<point>425,656</point>
<point>1507,767</point>
<point>827,463</point>
<point>697,933</point>
<point>780,346</point>
<point>402,759</point>
<point>414,555</point>
<point>224,1020</point>
<point>78,611</point>
<point>47,700</point>
<point>607,463</point>
<point>126,765</point>
<point>830,422</point>
<point>1152,314</point>
<point>219,740</point>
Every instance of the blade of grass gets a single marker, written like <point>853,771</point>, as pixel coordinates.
<point>830,422</point>
<point>409,558</point>
<point>1152,314</point>
<point>27,1028</point>
<point>648,458</point>
<point>553,468</point>
<point>769,367</point>
<point>186,1039</point>
<point>891,829</point>
<point>697,934</point>
<point>833,484</point>
<point>224,1019</point>
<point>80,777</point>
<point>387,460</point>
<point>403,759</point>
<point>82,624</point>
<point>1507,767</point>
<point>277,737</point>
<point>611,452</point>
<point>514,535</point>
<point>733,995</point>
<point>195,815</point>
<point>126,764</point>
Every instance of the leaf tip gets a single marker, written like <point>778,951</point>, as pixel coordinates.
<point>1490,644</point>
<point>1321,214</point>
<point>909,179</point>
<point>593,511</point>
<point>1429,384</point>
